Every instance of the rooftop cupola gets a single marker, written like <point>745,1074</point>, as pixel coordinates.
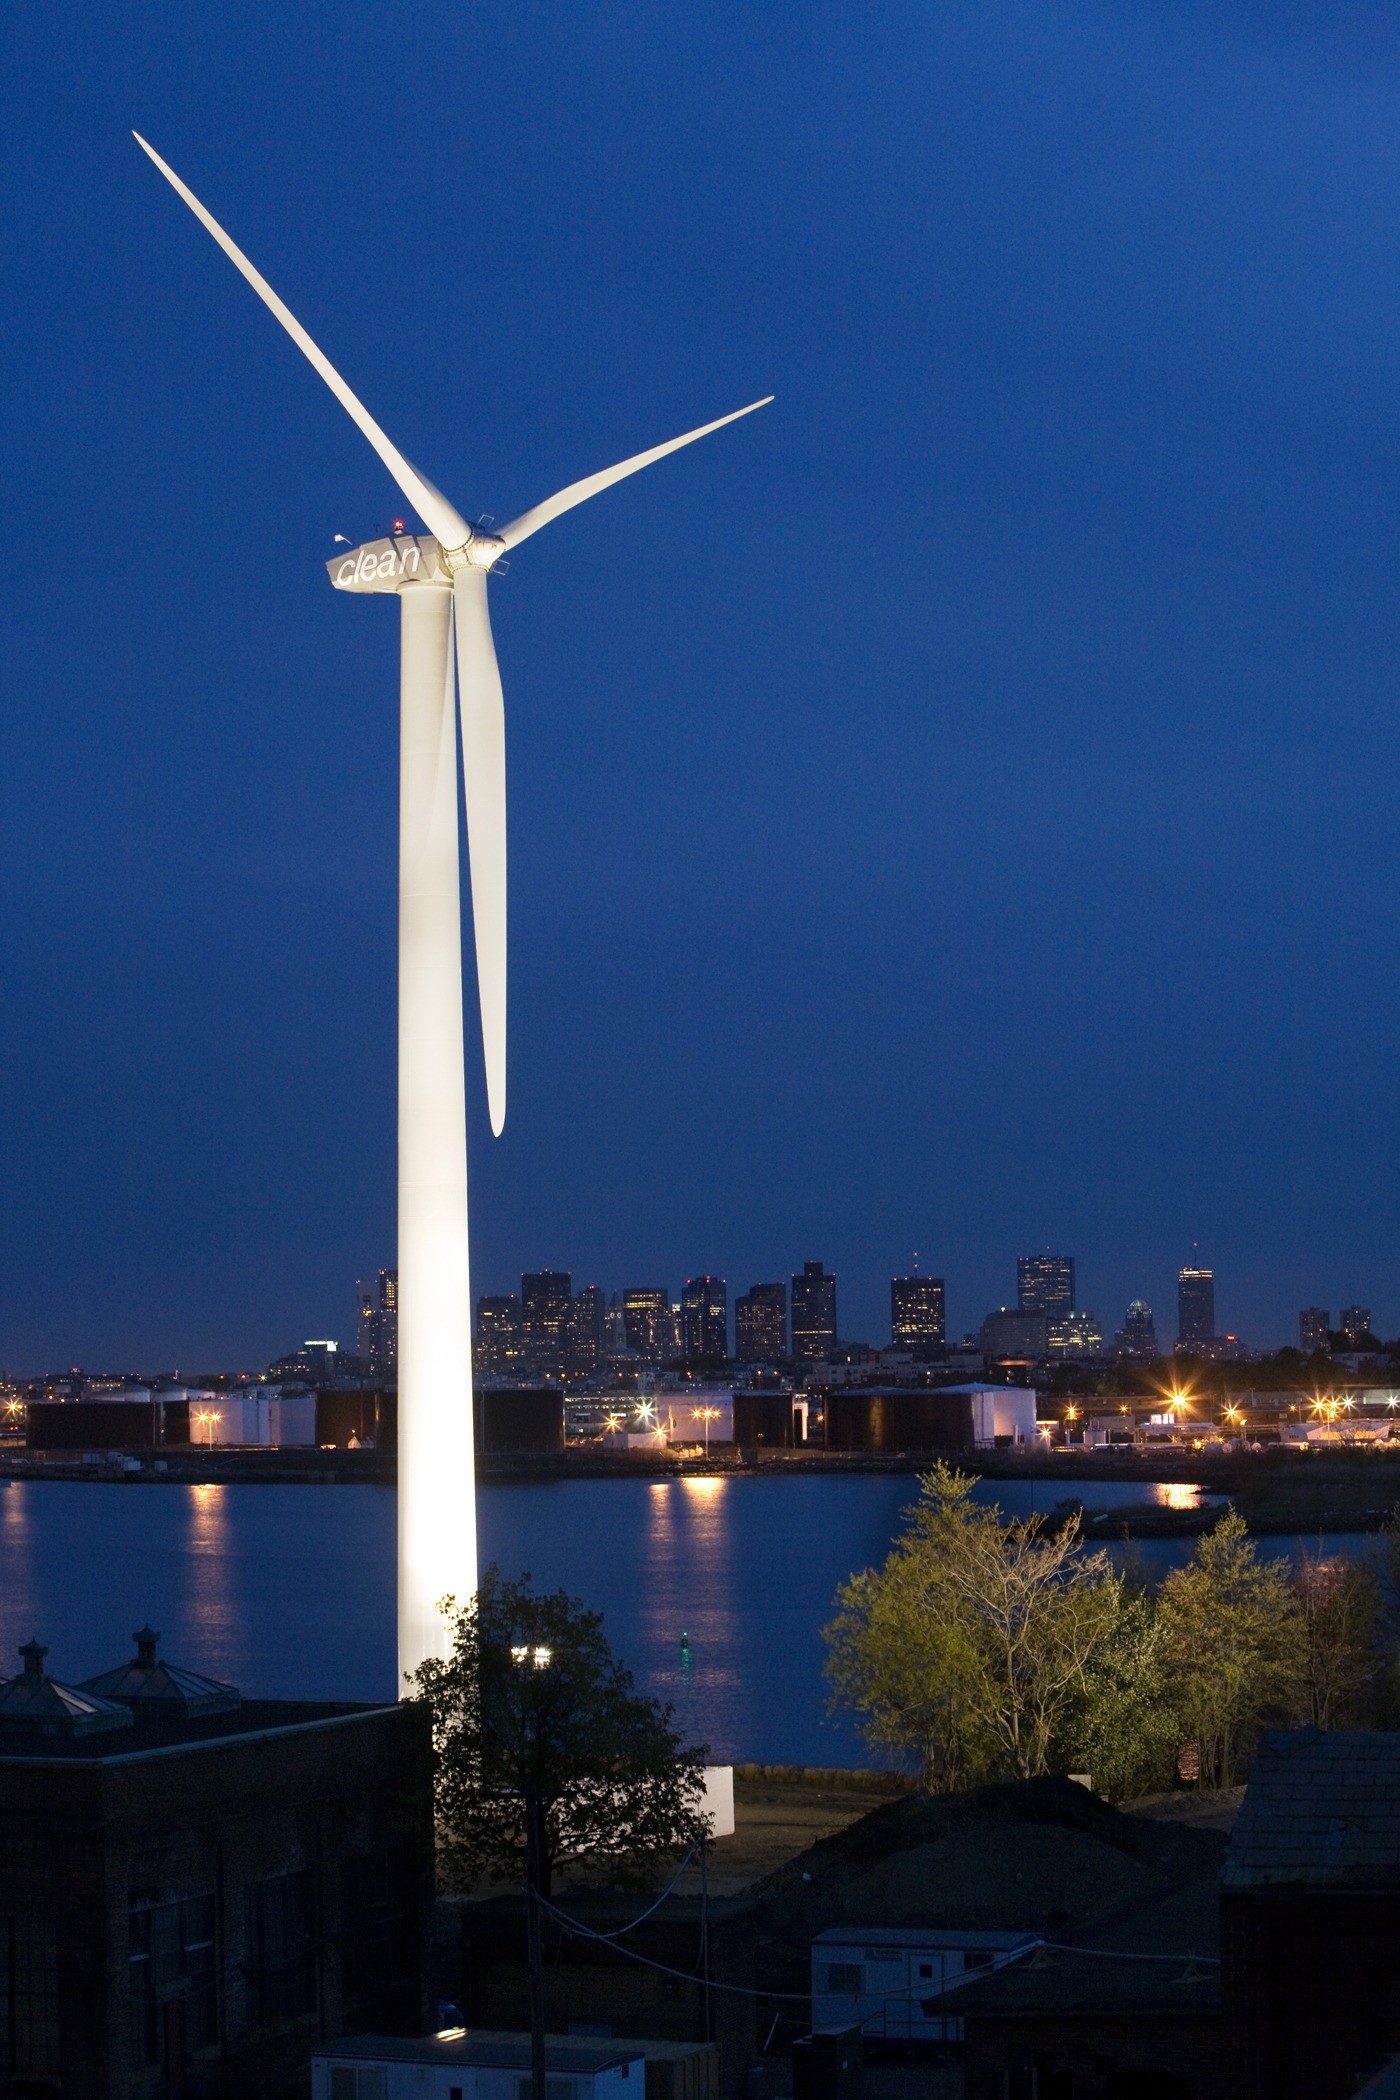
<point>36,1704</point>
<point>146,1684</point>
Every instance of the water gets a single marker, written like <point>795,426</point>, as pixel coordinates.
<point>288,1591</point>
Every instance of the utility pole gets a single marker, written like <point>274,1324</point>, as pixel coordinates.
<point>534,1851</point>
<point>531,1662</point>
<point>705,1937</point>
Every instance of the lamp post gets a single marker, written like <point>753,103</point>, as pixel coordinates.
<point>531,1659</point>
<point>706,1415</point>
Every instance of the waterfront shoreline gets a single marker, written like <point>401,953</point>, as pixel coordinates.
<point>1278,1493</point>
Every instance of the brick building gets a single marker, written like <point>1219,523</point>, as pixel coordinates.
<point>196,1887</point>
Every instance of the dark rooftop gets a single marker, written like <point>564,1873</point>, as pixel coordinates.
<point>486,2049</point>
<point>156,1730</point>
<point>1322,1810</point>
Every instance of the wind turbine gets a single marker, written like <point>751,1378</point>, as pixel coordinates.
<point>440,582</point>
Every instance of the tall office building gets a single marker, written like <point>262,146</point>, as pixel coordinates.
<point>544,1314</point>
<point>813,1313</point>
<point>1075,1334</point>
<point>647,1324</point>
<point>1045,1284</point>
<point>704,1318</point>
<point>1314,1327</point>
<point>499,1349</point>
<point>1195,1307</point>
<point>1355,1322</point>
<point>377,1324</point>
<point>614,1327</point>
<point>585,1331</point>
<point>916,1312</point>
<point>1137,1336</point>
<point>1014,1336</point>
<point>760,1324</point>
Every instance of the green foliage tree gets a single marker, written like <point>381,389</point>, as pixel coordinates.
<point>545,1752</point>
<point>1339,1606</point>
<point>1232,1648</point>
<point>903,1660</point>
<point>972,1646</point>
<point>1122,1732</point>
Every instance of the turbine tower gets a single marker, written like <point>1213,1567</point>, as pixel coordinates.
<point>440,582</point>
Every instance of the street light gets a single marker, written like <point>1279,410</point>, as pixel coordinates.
<point>525,1656</point>
<point>706,1415</point>
<point>206,1418</point>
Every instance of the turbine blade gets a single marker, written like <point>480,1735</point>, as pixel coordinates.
<point>484,780</point>
<point>440,517</point>
<point>593,484</point>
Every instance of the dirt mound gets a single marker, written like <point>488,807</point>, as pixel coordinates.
<point>1041,1856</point>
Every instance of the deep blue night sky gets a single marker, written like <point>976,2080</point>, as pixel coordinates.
<point>952,810</point>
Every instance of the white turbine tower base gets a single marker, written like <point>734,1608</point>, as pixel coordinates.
<point>441,582</point>
<point>437,1487</point>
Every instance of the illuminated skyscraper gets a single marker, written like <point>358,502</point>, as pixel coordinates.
<point>646,1317</point>
<point>1355,1322</point>
<point>1195,1307</point>
<point>916,1312</point>
<point>704,1318</point>
<point>1075,1334</point>
<point>544,1311</point>
<point>1314,1327</point>
<point>499,1349</point>
<point>377,1324</point>
<point>586,1329</point>
<point>813,1313</point>
<point>760,1324</point>
<point>1045,1284</point>
<point>1138,1335</point>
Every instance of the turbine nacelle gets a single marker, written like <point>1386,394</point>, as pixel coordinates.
<point>386,565</point>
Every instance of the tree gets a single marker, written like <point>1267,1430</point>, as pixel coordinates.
<point>1122,1732</point>
<point>973,1643</point>
<point>1339,1607</point>
<point>900,1658</point>
<point>1232,1648</point>
<point>545,1753</point>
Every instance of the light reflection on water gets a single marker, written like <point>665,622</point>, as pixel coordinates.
<point>1178,1494</point>
<point>289,1590</point>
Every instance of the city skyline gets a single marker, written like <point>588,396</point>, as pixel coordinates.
<point>661,1308</point>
